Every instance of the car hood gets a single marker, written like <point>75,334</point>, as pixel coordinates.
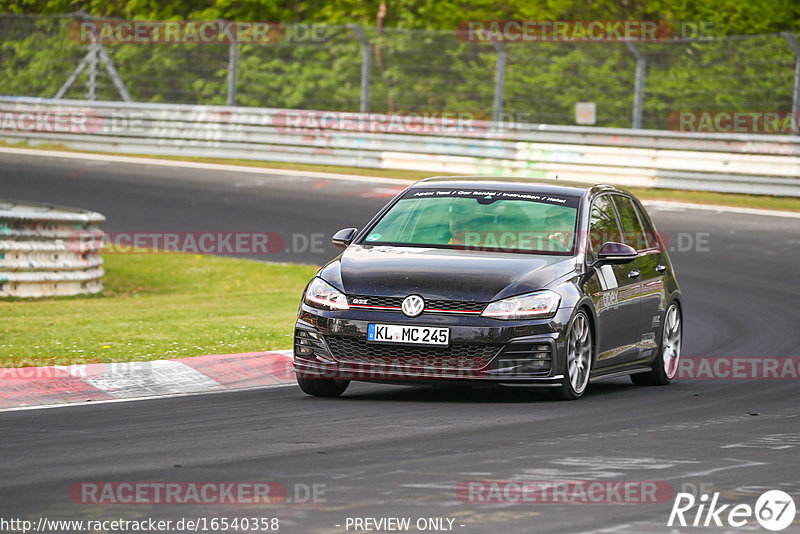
<point>442,273</point>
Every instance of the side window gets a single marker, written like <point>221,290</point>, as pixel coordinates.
<point>649,233</point>
<point>631,227</point>
<point>602,224</point>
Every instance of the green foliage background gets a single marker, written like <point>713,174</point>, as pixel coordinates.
<point>419,62</point>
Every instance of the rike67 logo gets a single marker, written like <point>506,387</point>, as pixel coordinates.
<point>774,510</point>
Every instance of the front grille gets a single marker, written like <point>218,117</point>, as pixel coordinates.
<point>458,305</point>
<point>391,302</point>
<point>463,356</point>
<point>430,305</point>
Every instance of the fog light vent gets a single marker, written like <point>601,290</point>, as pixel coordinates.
<point>309,344</point>
<point>525,358</point>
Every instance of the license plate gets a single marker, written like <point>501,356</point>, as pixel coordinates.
<point>420,335</point>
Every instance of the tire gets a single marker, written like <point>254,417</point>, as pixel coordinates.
<point>579,359</point>
<point>665,366</point>
<point>322,387</point>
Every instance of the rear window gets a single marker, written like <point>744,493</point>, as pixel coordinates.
<point>512,221</point>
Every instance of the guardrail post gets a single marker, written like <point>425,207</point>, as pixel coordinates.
<point>796,92</point>
<point>366,66</point>
<point>91,85</point>
<point>233,60</point>
<point>72,77</point>
<point>95,54</point>
<point>638,88</point>
<point>499,81</point>
<point>123,92</point>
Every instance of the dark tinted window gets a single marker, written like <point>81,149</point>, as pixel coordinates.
<point>631,227</point>
<point>603,224</point>
<point>481,220</point>
<point>649,233</point>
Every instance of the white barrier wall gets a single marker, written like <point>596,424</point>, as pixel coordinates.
<point>754,164</point>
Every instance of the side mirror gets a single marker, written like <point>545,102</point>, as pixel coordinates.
<point>612,253</point>
<point>343,237</point>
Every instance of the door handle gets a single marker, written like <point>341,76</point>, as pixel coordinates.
<point>661,268</point>
<point>634,274</point>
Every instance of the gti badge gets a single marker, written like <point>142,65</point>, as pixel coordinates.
<point>413,305</point>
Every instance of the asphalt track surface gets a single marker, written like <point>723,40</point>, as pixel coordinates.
<point>383,451</point>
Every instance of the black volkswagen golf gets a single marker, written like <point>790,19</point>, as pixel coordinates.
<point>490,280</point>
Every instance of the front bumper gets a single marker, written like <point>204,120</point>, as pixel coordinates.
<point>332,344</point>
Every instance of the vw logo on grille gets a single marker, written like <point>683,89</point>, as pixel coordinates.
<point>413,305</point>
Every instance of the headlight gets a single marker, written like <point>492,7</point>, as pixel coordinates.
<point>321,294</point>
<point>541,304</point>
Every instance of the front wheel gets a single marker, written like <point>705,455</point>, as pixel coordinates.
<point>665,366</point>
<point>322,387</point>
<point>580,347</point>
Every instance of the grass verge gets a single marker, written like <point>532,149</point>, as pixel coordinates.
<point>697,197</point>
<point>159,306</point>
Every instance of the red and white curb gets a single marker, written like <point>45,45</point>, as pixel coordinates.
<point>58,385</point>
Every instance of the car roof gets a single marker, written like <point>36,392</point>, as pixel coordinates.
<point>544,185</point>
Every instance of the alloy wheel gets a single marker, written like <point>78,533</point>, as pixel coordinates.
<point>579,353</point>
<point>671,341</point>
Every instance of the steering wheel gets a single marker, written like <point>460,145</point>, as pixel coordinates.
<point>559,239</point>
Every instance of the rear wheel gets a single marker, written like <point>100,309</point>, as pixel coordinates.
<point>580,346</point>
<point>322,387</point>
<point>665,366</point>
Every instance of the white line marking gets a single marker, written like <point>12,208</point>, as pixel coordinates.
<point>196,165</point>
<point>717,469</point>
<point>775,442</point>
<point>134,399</point>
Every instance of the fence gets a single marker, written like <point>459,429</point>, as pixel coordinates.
<point>351,68</point>
<point>44,250</point>
<point>756,164</point>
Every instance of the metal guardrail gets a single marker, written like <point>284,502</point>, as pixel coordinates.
<point>49,250</point>
<point>733,163</point>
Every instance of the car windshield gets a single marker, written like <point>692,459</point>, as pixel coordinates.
<point>508,221</point>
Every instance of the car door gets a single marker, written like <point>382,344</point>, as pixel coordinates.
<point>614,291</point>
<point>642,274</point>
<point>653,267</point>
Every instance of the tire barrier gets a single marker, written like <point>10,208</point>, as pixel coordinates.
<point>48,250</point>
